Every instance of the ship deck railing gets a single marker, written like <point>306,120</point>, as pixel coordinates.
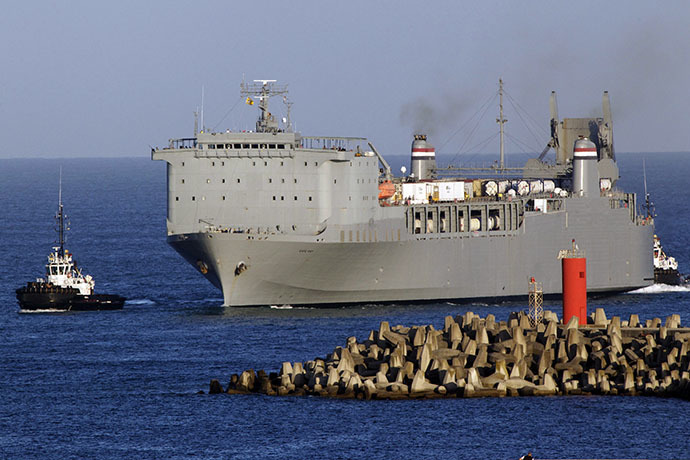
<point>182,143</point>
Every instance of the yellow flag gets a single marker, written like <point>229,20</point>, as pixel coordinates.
<point>249,101</point>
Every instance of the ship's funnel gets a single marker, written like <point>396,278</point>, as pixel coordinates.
<point>423,158</point>
<point>585,170</point>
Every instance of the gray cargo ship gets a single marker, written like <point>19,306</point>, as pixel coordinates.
<point>272,217</point>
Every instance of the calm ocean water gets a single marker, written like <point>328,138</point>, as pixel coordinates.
<point>123,384</point>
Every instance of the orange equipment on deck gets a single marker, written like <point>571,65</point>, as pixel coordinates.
<point>386,190</point>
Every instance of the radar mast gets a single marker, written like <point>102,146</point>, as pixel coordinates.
<point>264,90</point>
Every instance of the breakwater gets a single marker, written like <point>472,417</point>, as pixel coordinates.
<point>477,357</point>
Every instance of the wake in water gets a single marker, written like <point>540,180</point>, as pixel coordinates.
<point>141,302</point>
<point>660,289</point>
<point>47,310</point>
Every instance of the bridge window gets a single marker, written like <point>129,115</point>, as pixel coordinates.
<point>255,146</point>
<point>193,198</point>
<point>270,181</point>
<point>281,146</point>
<point>177,198</point>
<point>183,181</point>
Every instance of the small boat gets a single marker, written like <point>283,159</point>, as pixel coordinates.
<point>665,267</point>
<point>65,287</point>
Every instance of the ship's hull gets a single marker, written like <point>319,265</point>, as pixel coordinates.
<point>66,300</point>
<point>277,271</point>
<point>670,277</point>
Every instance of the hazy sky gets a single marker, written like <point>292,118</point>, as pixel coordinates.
<point>96,78</point>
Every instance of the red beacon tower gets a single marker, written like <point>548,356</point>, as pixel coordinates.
<point>574,271</point>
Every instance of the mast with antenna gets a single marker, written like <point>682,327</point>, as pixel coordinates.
<point>203,128</point>
<point>264,90</point>
<point>501,121</point>
<point>196,121</point>
<point>60,217</point>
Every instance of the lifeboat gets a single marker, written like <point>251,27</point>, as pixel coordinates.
<point>386,190</point>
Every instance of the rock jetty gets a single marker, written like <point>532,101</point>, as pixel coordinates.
<point>478,357</point>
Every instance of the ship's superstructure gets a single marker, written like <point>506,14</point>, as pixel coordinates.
<point>272,217</point>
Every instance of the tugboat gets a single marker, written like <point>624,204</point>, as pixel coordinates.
<point>65,287</point>
<point>665,267</point>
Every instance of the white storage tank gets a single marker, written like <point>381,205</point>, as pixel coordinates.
<point>490,188</point>
<point>522,188</point>
<point>605,185</point>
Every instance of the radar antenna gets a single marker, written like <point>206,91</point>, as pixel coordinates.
<point>264,90</point>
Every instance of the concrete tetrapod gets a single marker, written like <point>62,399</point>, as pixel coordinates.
<point>477,357</point>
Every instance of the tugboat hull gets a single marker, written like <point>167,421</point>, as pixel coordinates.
<point>34,297</point>
<point>669,276</point>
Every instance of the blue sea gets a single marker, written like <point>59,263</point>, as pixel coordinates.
<point>124,384</point>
